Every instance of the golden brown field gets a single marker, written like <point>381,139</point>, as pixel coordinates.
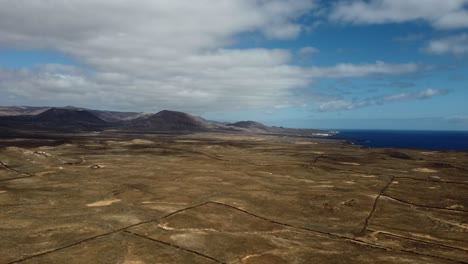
<point>221,198</point>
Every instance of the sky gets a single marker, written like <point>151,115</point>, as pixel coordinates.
<point>374,64</point>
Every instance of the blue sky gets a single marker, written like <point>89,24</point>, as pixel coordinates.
<point>385,64</point>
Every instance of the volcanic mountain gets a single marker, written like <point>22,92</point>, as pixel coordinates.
<point>171,121</point>
<point>68,116</point>
<point>56,119</point>
<point>73,119</point>
<point>249,124</point>
<point>111,116</point>
<point>115,117</point>
<point>259,128</point>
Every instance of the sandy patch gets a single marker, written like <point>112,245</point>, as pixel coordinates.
<point>132,259</point>
<point>186,141</point>
<point>323,186</point>
<point>17,149</point>
<point>428,153</point>
<point>350,163</point>
<point>3,191</point>
<point>425,170</point>
<point>245,258</point>
<point>44,173</point>
<point>164,208</point>
<point>456,206</point>
<point>167,207</point>
<point>103,203</point>
<point>133,142</point>
<point>364,175</point>
<point>124,219</point>
<point>189,240</point>
<point>133,262</point>
<point>165,227</point>
<point>159,202</point>
<point>457,224</point>
<point>304,143</point>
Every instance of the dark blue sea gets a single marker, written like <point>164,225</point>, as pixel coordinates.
<point>428,140</point>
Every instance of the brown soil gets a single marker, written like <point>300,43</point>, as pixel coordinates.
<point>220,198</point>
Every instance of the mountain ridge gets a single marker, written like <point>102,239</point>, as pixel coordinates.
<point>72,118</point>
<point>167,120</point>
<point>68,116</point>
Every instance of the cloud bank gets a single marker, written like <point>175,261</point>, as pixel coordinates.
<point>341,104</point>
<point>449,14</point>
<point>155,54</point>
<point>456,45</point>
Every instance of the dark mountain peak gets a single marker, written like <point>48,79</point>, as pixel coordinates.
<point>249,124</point>
<point>54,111</point>
<point>68,116</point>
<point>169,115</point>
<point>170,112</point>
<point>70,107</point>
<point>167,120</point>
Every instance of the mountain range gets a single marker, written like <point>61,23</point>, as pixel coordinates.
<point>73,119</point>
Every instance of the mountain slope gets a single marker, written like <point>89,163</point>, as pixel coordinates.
<point>259,128</point>
<point>68,116</point>
<point>249,124</point>
<point>74,119</point>
<point>55,119</point>
<point>114,116</point>
<point>171,121</point>
<point>21,110</point>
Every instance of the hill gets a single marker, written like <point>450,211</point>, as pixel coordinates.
<point>73,119</point>
<point>55,119</point>
<point>171,121</point>
<point>68,116</point>
<point>249,124</point>
<point>108,116</point>
<point>21,110</point>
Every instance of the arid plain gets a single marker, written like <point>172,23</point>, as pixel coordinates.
<point>228,198</point>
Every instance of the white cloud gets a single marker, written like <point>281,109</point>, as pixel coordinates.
<point>307,51</point>
<point>424,94</point>
<point>457,45</point>
<point>342,104</point>
<point>154,54</point>
<point>346,70</point>
<point>207,83</point>
<point>448,14</point>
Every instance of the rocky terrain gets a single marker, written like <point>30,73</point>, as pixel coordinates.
<point>115,197</point>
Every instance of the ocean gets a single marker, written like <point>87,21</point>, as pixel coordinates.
<point>427,140</point>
